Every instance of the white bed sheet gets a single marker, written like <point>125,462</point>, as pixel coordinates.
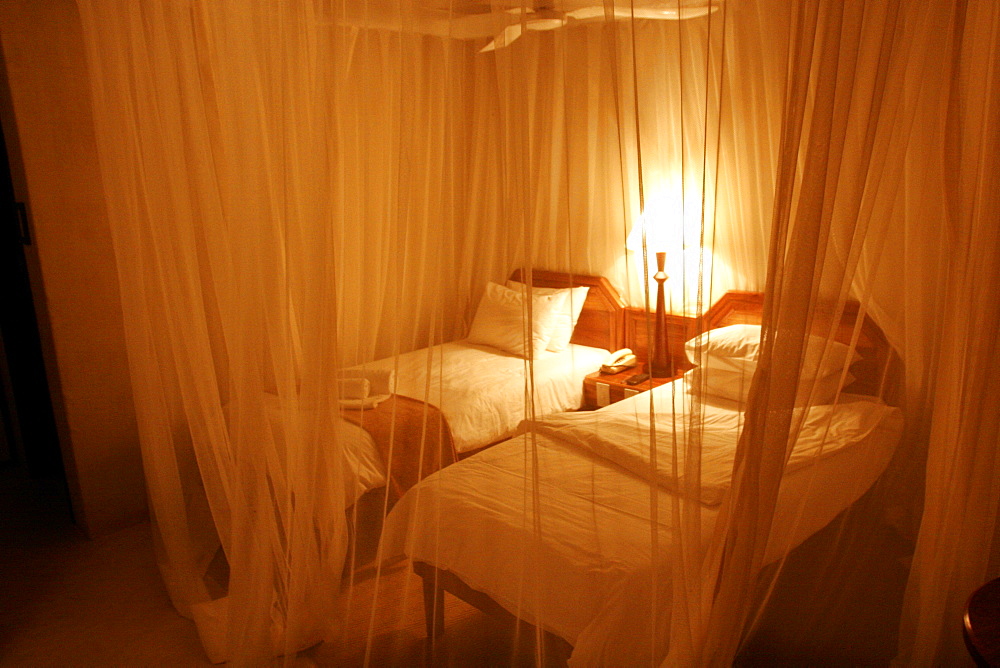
<point>479,389</point>
<point>595,529</point>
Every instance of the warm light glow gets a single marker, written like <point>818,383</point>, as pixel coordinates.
<point>672,225</point>
<point>671,222</point>
<point>685,272</point>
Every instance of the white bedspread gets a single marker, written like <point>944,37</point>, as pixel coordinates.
<point>480,390</point>
<point>593,532</point>
<point>624,437</point>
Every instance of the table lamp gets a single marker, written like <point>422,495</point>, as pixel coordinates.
<point>656,241</point>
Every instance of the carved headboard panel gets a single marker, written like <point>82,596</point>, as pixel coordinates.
<point>601,323</point>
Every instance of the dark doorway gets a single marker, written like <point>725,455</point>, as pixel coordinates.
<point>29,436</point>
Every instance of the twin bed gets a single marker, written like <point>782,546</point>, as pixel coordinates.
<point>477,388</point>
<point>472,528</point>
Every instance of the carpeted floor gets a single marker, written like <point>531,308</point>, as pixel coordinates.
<point>70,601</point>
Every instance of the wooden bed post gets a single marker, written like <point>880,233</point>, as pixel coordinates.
<point>433,606</point>
<point>436,581</point>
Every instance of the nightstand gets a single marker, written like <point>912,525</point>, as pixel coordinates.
<point>602,389</point>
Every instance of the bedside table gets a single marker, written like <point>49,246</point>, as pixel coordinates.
<point>601,389</point>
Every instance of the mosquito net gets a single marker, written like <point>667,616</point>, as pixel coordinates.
<point>373,255</point>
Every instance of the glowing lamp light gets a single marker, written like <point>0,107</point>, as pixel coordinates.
<point>675,229</point>
<point>672,242</point>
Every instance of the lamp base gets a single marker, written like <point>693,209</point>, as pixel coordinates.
<point>661,370</point>
<point>660,365</point>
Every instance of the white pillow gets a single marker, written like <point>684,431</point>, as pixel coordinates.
<point>735,348</point>
<point>566,316</point>
<point>500,317</point>
<point>735,385</point>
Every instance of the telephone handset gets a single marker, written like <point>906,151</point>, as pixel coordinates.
<point>618,361</point>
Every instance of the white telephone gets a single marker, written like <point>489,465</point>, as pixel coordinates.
<point>618,361</point>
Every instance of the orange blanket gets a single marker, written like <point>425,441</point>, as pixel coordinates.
<point>400,426</point>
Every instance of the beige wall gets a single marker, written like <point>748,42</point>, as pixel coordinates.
<point>74,277</point>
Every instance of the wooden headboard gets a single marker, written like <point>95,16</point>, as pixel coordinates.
<point>639,328</point>
<point>601,323</point>
<point>877,366</point>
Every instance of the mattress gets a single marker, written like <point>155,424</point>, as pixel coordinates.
<point>594,531</point>
<point>481,392</point>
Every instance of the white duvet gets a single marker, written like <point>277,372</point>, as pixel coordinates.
<point>624,437</point>
<point>593,533</point>
<point>479,389</point>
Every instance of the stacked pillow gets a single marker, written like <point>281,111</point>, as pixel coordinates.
<point>725,360</point>
<point>499,319</point>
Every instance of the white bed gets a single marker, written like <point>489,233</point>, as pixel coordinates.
<point>596,512</point>
<point>480,391</point>
<point>480,388</point>
<point>593,492</point>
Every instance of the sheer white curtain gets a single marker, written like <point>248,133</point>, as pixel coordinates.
<point>286,189</point>
<point>898,186</point>
<point>219,269</point>
<point>297,187</point>
<point>835,168</point>
<point>956,338</point>
<point>838,158</point>
<point>578,105</point>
